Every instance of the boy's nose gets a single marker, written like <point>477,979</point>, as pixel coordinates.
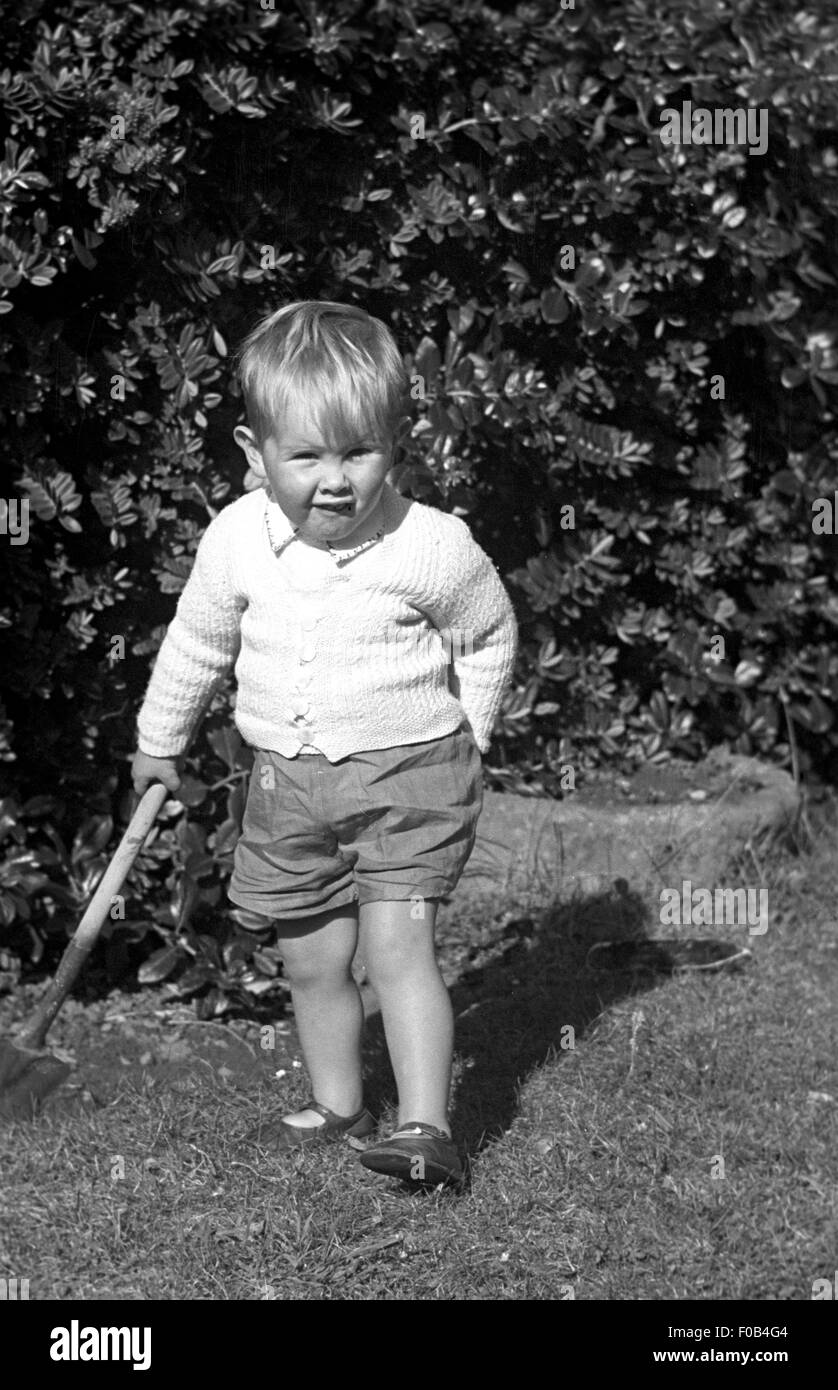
<point>333,486</point>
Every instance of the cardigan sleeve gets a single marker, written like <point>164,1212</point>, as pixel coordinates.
<point>199,649</point>
<point>472,610</point>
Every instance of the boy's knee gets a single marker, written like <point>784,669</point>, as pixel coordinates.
<point>393,957</point>
<point>318,951</point>
<point>315,972</point>
<point>301,973</point>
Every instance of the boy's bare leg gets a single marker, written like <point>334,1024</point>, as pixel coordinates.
<point>317,954</point>
<point>398,952</point>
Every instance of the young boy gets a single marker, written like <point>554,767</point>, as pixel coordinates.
<point>372,641</point>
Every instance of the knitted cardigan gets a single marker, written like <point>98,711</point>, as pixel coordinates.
<point>396,644</point>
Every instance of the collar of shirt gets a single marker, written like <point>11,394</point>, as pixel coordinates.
<point>281,531</point>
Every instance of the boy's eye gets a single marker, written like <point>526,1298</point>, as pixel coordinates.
<point>371,449</point>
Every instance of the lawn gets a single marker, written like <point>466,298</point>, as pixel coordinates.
<point>629,1137</point>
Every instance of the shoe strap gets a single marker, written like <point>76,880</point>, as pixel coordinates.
<point>312,1104</point>
<point>405,1131</point>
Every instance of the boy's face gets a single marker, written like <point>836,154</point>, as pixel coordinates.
<point>306,476</point>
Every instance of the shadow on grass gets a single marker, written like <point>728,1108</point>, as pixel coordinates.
<point>514,1014</point>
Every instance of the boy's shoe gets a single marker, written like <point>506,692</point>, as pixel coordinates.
<point>418,1152</point>
<point>666,957</point>
<point>279,1134</point>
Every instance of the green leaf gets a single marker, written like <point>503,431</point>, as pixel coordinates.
<point>554,306</point>
<point>192,791</point>
<point>226,743</point>
<point>91,838</point>
<point>160,965</point>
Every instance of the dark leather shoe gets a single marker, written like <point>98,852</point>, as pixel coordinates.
<point>417,1152</point>
<point>273,1133</point>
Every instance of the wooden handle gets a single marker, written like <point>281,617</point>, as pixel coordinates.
<point>87,933</point>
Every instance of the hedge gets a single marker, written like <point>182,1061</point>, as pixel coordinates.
<point>624,351</point>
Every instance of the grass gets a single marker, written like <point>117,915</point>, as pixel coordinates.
<point>591,1169</point>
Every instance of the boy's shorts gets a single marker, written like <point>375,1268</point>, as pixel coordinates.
<point>380,825</point>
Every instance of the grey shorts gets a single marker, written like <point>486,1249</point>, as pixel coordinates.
<point>376,826</point>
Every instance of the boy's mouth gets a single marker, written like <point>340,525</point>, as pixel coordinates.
<point>343,509</point>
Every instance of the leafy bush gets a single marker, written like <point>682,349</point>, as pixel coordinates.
<point>567,288</point>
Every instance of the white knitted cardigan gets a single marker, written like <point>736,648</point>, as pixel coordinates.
<point>395,644</point>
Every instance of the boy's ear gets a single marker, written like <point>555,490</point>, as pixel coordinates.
<point>245,440</point>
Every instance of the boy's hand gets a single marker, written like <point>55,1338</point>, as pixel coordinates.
<point>145,770</point>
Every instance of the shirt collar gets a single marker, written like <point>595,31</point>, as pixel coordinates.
<point>281,530</point>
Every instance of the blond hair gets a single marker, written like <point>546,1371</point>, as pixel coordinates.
<point>340,360</point>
